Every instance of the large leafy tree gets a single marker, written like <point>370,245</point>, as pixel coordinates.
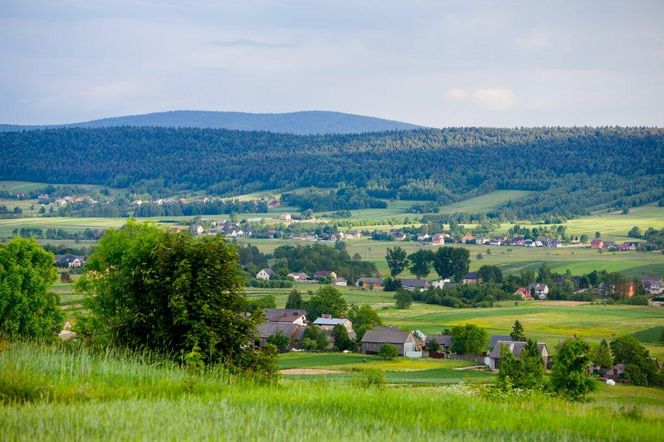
<point>490,273</point>
<point>451,262</point>
<point>27,309</point>
<point>397,260</point>
<point>170,293</point>
<point>640,369</point>
<point>295,300</point>
<point>420,262</point>
<point>326,300</point>
<point>569,375</point>
<point>363,318</point>
<point>601,356</point>
<point>469,339</point>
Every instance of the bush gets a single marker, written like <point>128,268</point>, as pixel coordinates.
<point>280,341</point>
<point>315,334</point>
<point>388,352</point>
<point>371,377</point>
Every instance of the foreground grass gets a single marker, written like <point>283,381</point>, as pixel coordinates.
<point>133,399</point>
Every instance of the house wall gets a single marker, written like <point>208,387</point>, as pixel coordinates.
<point>374,347</point>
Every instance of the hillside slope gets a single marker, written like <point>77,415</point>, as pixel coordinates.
<point>302,123</point>
<point>568,170</point>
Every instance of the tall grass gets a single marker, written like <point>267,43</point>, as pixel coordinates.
<point>110,397</point>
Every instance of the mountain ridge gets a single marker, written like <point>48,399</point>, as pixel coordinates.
<point>314,122</point>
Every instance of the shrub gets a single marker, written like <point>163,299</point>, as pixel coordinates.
<point>388,352</point>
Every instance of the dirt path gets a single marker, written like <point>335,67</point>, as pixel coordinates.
<point>308,371</point>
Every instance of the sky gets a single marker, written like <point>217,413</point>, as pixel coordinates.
<point>435,63</point>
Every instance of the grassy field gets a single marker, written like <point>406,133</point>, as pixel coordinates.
<point>56,394</point>
<point>549,321</point>
<point>486,202</point>
<point>509,259</point>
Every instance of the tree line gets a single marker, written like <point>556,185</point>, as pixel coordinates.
<point>570,170</point>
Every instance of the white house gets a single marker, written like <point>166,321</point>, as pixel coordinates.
<point>541,290</point>
<point>285,217</point>
<point>265,274</point>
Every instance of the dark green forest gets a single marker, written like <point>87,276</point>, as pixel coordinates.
<point>572,169</point>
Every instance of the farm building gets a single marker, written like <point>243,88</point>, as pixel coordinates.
<point>323,274</point>
<point>445,341</point>
<point>291,316</point>
<point>369,283</point>
<point>341,282</point>
<point>292,331</point>
<point>516,348</point>
<point>265,274</point>
<point>471,278</point>
<point>373,339</point>
<point>298,276</point>
<point>415,284</point>
<point>524,293</point>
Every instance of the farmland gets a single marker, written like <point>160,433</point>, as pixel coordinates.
<point>58,394</point>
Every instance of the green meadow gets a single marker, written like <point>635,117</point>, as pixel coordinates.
<point>60,393</point>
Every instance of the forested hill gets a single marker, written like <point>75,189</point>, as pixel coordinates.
<point>301,123</point>
<point>570,170</point>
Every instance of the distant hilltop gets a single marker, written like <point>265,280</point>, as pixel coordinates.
<point>300,123</point>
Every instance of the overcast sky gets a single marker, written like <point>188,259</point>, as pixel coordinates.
<point>436,63</point>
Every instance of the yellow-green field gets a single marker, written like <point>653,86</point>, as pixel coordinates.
<point>484,203</point>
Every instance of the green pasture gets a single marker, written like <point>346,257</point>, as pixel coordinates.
<point>352,295</point>
<point>547,321</point>
<point>484,203</point>
<point>55,393</point>
<point>579,260</point>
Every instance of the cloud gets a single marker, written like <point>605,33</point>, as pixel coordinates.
<point>456,94</point>
<point>494,98</point>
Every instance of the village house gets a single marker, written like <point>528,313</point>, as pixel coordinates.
<point>467,238</point>
<point>327,323</point>
<point>341,282</point>
<point>298,276</point>
<point>494,339</point>
<point>438,240</point>
<point>373,339</point>
<point>518,241</point>
<point>291,316</point>
<point>369,283</point>
<point>422,238</point>
<point>629,246</point>
<point>653,284</point>
<point>597,243</point>
<point>445,342</point>
<point>414,284</point>
<point>265,274</point>
<point>440,283</point>
<point>524,293</point>
<point>516,348</point>
<point>323,274</point>
<point>292,331</point>
<point>471,278</point>
<point>541,290</point>
<point>285,217</point>
<point>398,235</point>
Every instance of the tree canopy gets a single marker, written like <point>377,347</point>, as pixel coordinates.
<point>170,293</point>
<point>27,309</point>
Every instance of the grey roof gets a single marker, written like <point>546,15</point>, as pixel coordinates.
<point>283,314</point>
<point>516,347</point>
<point>471,275</point>
<point>292,331</point>
<point>330,321</point>
<point>417,283</point>
<point>494,340</point>
<point>369,280</point>
<point>445,340</point>
<point>268,271</point>
<point>388,335</point>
